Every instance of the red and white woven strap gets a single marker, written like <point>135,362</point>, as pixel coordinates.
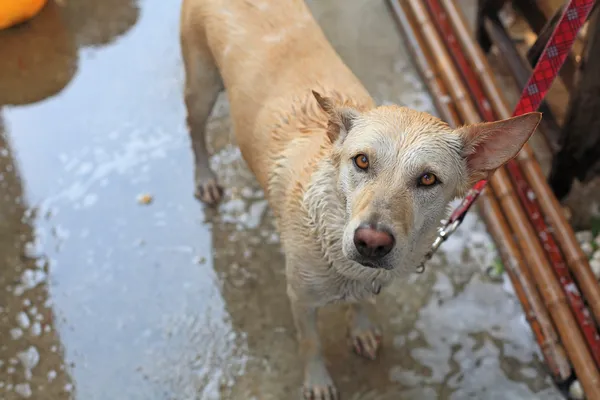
<point>546,70</point>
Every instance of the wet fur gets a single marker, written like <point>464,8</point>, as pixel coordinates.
<point>271,56</point>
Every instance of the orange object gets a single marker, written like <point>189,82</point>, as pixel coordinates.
<point>13,12</point>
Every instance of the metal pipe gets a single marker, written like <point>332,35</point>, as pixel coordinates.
<point>575,257</point>
<point>525,289</point>
<point>554,298</point>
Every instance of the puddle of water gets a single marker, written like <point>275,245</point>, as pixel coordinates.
<point>105,298</point>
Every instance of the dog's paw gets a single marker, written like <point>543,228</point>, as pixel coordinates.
<point>366,340</point>
<point>320,393</point>
<point>208,190</point>
<point>318,384</point>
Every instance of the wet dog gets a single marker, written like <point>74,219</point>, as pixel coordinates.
<point>358,191</point>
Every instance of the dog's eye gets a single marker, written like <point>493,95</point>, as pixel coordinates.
<point>361,161</point>
<point>428,179</point>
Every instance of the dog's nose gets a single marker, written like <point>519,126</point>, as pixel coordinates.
<point>372,243</point>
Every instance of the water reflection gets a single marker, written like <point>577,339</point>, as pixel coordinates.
<point>39,59</point>
<point>32,361</point>
<point>41,56</point>
<point>98,23</point>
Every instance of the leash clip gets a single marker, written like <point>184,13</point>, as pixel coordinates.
<point>443,234</point>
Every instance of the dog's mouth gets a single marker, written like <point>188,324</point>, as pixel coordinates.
<point>375,264</point>
<point>368,264</point>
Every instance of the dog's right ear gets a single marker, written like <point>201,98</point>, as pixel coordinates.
<point>487,146</point>
<point>341,118</point>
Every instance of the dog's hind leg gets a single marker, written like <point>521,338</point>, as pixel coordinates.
<point>202,86</point>
<point>364,334</point>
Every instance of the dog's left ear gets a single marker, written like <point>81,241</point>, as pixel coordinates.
<point>341,118</point>
<point>488,146</point>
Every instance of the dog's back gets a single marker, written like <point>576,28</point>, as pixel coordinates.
<point>270,55</point>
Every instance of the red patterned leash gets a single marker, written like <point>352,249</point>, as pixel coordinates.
<point>544,73</point>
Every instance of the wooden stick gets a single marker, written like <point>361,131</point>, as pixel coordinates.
<point>575,257</point>
<point>523,189</point>
<point>525,289</point>
<point>550,289</point>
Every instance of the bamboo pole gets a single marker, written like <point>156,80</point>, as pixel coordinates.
<point>575,257</point>
<point>554,298</point>
<point>525,289</point>
<point>575,301</point>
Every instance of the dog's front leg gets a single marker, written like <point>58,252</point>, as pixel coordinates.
<point>365,335</point>
<point>317,382</point>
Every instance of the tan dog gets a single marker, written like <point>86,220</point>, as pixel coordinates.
<point>358,190</point>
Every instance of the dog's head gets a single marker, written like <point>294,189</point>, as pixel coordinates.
<point>397,170</point>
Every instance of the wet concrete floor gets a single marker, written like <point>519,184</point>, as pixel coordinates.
<point>102,297</point>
